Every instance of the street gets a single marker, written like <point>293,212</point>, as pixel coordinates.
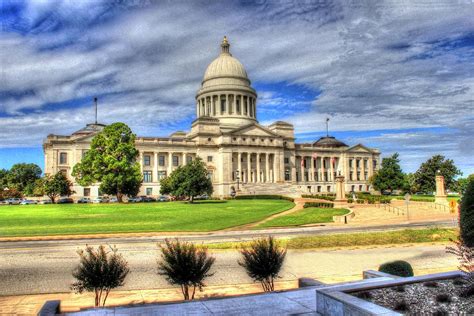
<point>29,268</point>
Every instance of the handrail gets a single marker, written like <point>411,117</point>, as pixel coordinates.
<point>392,208</point>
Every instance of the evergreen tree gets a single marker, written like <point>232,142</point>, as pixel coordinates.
<point>55,186</point>
<point>466,216</point>
<point>112,162</point>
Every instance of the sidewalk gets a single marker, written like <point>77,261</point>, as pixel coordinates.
<point>70,302</point>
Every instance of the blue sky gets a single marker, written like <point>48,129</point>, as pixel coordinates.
<point>396,75</point>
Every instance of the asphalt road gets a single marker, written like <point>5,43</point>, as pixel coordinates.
<point>45,267</point>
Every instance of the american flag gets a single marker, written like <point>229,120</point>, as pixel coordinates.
<point>315,156</point>
<point>333,160</point>
<point>302,162</point>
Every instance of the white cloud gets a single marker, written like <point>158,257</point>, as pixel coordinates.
<point>384,65</point>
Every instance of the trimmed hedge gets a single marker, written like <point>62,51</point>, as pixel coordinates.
<point>327,197</point>
<point>264,197</point>
<point>399,267</point>
<point>319,204</point>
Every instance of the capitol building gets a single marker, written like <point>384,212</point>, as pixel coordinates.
<point>241,155</point>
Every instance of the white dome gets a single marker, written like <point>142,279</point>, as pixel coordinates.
<point>225,66</point>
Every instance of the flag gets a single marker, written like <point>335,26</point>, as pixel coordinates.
<point>333,160</point>
<point>302,162</point>
<point>315,156</point>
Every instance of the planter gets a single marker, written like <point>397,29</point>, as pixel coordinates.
<point>372,297</point>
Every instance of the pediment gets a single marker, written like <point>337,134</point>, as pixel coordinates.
<point>359,148</point>
<point>253,130</point>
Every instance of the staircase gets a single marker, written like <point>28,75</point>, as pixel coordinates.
<point>285,189</point>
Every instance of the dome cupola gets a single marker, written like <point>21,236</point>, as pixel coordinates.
<point>226,91</point>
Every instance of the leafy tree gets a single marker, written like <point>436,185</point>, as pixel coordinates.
<point>3,179</point>
<point>390,176</point>
<point>263,260</point>
<point>188,181</point>
<point>185,265</point>
<point>409,184</point>
<point>112,161</point>
<point>55,186</point>
<point>461,183</point>
<point>425,175</point>
<point>22,177</point>
<point>99,271</point>
<point>10,193</point>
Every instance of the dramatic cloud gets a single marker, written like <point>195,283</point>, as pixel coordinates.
<point>396,66</point>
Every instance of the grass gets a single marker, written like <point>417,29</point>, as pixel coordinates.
<point>407,236</point>
<point>310,215</point>
<point>66,219</point>
<point>424,198</point>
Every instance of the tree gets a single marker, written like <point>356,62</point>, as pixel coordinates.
<point>390,176</point>
<point>3,179</point>
<point>263,260</point>
<point>188,181</point>
<point>409,184</point>
<point>57,185</point>
<point>99,271</point>
<point>22,177</point>
<point>425,175</point>
<point>185,265</point>
<point>461,183</point>
<point>112,161</point>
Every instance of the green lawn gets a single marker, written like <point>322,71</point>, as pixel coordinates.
<point>42,220</point>
<point>310,215</point>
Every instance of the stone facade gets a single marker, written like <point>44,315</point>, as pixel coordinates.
<point>240,154</point>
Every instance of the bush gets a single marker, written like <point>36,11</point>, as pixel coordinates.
<point>262,261</point>
<point>264,197</point>
<point>328,197</point>
<point>185,265</point>
<point>319,204</point>
<point>99,271</point>
<point>399,268</point>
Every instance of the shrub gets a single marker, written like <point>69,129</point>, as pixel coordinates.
<point>328,197</point>
<point>400,268</point>
<point>440,312</point>
<point>401,306</point>
<point>262,261</point>
<point>99,271</point>
<point>185,265</point>
<point>265,197</point>
<point>319,204</point>
<point>466,216</point>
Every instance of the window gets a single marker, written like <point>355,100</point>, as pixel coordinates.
<point>209,158</point>
<point>63,158</point>
<point>146,160</point>
<point>366,176</point>
<point>316,176</point>
<point>87,192</point>
<point>147,176</point>
<point>360,187</point>
<point>149,191</point>
<point>287,160</point>
<point>365,163</point>
<point>352,188</point>
<point>351,177</point>
<point>161,160</point>
<point>319,188</point>
<point>357,163</point>
<point>161,174</point>
<point>209,139</point>
<point>287,175</point>
<point>350,163</point>
<point>358,175</point>
<point>374,164</point>
<point>222,105</point>
<point>189,159</point>
<point>209,175</point>
<point>238,106</point>
<point>329,188</point>
<point>175,160</point>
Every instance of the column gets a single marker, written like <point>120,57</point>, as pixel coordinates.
<point>249,167</point>
<point>322,170</point>
<point>354,169</point>
<point>254,108</point>
<point>267,168</point>
<point>185,156</point>
<point>302,169</point>
<point>239,166</point>
<point>362,169</point>
<point>219,107</point>
<point>293,168</point>
<point>141,161</point>
<point>257,161</point>
<point>332,162</point>
<point>312,169</point>
<point>170,163</point>
<point>155,166</point>
<point>229,106</point>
